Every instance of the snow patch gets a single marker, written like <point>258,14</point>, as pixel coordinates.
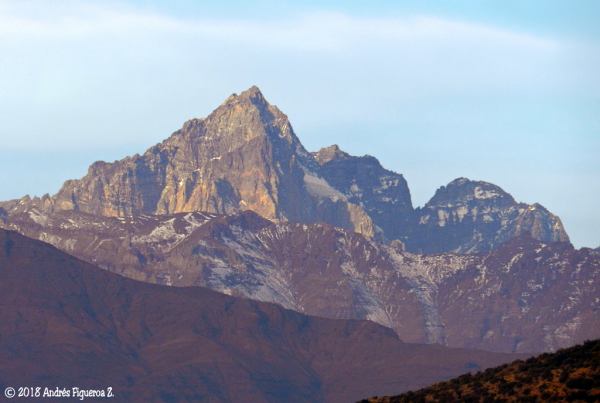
<point>461,212</point>
<point>319,187</point>
<point>484,194</point>
<point>38,217</point>
<point>442,217</point>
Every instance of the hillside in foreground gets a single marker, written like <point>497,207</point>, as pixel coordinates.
<point>65,323</point>
<point>569,375</point>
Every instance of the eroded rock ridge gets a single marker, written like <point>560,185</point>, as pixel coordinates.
<point>246,156</point>
<point>525,296</point>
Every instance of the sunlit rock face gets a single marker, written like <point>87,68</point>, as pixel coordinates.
<point>246,156</point>
<point>474,216</point>
<point>243,156</point>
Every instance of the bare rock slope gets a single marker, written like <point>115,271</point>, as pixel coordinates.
<point>246,156</point>
<point>243,156</point>
<point>525,296</point>
<point>383,194</point>
<point>474,216</point>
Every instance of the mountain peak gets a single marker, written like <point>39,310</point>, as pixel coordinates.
<point>243,156</point>
<point>246,156</point>
<point>326,154</point>
<point>462,190</point>
<point>252,94</point>
<point>252,91</point>
<point>483,215</point>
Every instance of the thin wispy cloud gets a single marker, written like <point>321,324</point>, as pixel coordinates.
<point>314,31</point>
<point>57,54</point>
<point>305,31</point>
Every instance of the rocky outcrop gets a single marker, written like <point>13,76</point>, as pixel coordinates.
<point>474,216</point>
<point>66,324</point>
<point>246,156</point>
<point>525,296</point>
<point>243,156</point>
<point>383,194</point>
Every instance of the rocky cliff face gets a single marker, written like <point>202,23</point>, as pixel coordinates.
<point>243,156</point>
<point>473,216</point>
<point>525,296</point>
<point>383,194</point>
<point>66,323</point>
<point>246,156</point>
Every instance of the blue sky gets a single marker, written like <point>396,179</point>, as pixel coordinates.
<point>502,91</point>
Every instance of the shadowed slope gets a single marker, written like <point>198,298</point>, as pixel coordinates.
<point>66,323</point>
<point>525,296</point>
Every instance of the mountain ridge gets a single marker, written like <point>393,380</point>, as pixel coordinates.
<point>66,323</point>
<point>510,293</point>
<point>468,216</point>
<point>246,156</point>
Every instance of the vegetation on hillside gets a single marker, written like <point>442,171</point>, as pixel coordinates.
<point>569,375</point>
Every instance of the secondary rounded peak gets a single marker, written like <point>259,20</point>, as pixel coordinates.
<point>461,190</point>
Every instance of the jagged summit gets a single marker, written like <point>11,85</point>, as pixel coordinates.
<point>330,153</point>
<point>242,118</point>
<point>246,156</point>
<point>253,95</point>
<point>243,156</point>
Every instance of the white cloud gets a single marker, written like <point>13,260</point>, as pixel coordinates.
<point>316,31</point>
